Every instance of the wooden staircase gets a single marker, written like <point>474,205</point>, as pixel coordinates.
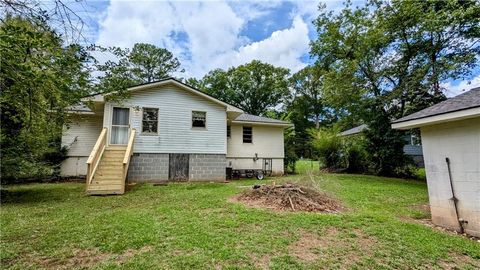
<point>107,166</point>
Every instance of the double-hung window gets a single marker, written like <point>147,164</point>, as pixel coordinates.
<point>150,121</point>
<point>199,119</point>
<point>247,135</point>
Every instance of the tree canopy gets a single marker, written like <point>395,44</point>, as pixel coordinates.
<point>388,58</point>
<point>254,87</point>
<point>39,78</point>
<point>143,63</point>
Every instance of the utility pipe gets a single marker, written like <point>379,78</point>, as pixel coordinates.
<point>454,199</point>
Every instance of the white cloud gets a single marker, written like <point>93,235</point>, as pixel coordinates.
<point>213,30</point>
<point>452,89</point>
<point>282,48</point>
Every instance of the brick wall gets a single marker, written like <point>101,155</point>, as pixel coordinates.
<point>148,168</point>
<point>207,167</point>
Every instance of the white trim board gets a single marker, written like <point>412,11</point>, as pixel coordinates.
<point>437,119</point>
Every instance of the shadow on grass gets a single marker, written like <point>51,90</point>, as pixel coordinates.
<point>37,194</point>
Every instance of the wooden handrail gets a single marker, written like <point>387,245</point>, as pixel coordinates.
<point>96,155</point>
<point>128,153</point>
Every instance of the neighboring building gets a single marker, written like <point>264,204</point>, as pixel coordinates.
<point>412,147</point>
<point>451,130</point>
<point>174,132</point>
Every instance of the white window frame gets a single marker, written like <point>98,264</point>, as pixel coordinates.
<point>191,120</point>
<point>251,135</point>
<point>158,122</point>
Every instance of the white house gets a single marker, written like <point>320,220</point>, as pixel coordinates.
<point>166,130</point>
<point>412,146</point>
<point>450,133</point>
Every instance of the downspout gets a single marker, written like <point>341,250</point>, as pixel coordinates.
<point>461,221</point>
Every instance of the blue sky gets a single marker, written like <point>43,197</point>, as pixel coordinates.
<point>217,34</point>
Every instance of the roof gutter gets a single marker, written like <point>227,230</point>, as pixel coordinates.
<point>263,123</point>
<point>437,119</point>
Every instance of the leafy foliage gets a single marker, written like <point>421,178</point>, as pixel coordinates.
<point>143,63</point>
<point>39,78</point>
<point>388,59</point>
<point>255,87</point>
<point>328,146</point>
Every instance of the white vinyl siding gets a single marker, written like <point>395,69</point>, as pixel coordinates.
<point>175,132</point>
<point>267,141</point>
<point>86,129</point>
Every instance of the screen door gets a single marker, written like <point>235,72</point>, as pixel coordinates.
<point>120,125</point>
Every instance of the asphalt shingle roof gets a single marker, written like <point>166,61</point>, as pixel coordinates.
<point>254,118</point>
<point>354,130</point>
<point>79,108</point>
<point>467,100</point>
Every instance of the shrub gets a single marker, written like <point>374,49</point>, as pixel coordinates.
<point>328,146</point>
<point>411,172</point>
<point>291,157</point>
<point>356,155</point>
<point>420,174</point>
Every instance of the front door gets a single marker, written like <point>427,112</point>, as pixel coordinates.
<point>178,167</point>
<point>120,125</point>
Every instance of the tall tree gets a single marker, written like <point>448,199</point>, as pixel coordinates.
<point>307,87</point>
<point>39,78</point>
<point>390,58</point>
<point>254,87</point>
<point>143,63</point>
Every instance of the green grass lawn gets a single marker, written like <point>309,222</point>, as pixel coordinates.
<point>194,226</point>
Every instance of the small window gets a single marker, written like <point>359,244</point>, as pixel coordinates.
<point>229,131</point>
<point>199,119</point>
<point>247,134</point>
<point>150,121</point>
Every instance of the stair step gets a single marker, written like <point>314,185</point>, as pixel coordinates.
<point>114,160</point>
<point>111,166</point>
<point>113,155</point>
<point>106,183</point>
<point>105,187</point>
<point>117,147</point>
<point>108,176</point>
<point>105,192</point>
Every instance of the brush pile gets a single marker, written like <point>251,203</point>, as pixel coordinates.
<point>289,197</point>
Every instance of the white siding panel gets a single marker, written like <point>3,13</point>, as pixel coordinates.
<point>176,134</point>
<point>81,134</point>
<point>74,166</point>
<point>267,142</point>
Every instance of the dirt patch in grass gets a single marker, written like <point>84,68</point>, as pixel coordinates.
<point>347,247</point>
<point>288,197</point>
<point>81,258</point>
<point>456,261</point>
<point>422,207</point>
<point>427,221</point>
<point>306,247</point>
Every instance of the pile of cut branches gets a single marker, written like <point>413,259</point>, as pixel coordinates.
<point>289,197</point>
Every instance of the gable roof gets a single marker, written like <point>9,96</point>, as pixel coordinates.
<point>237,113</point>
<point>353,131</point>
<point>99,97</point>
<point>252,119</point>
<point>460,107</point>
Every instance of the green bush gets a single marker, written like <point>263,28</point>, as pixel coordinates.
<point>328,146</point>
<point>411,172</point>
<point>420,174</point>
<point>356,155</point>
<point>290,154</point>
